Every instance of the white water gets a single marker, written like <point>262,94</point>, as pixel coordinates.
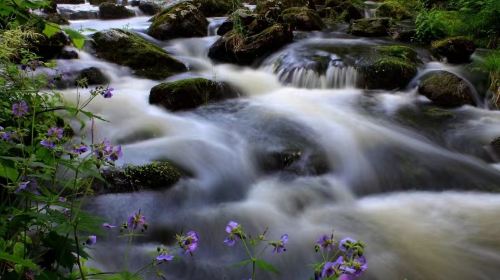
<point>413,197</point>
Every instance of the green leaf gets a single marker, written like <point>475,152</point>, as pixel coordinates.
<point>51,29</point>
<point>8,172</point>
<point>266,266</point>
<point>18,249</point>
<point>76,37</point>
<point>17,260</point>
<point>243,263</point>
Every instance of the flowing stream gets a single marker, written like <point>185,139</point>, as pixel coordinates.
<point>374,165</point>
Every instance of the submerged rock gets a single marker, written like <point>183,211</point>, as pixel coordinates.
<point>370,27</point>
<point>129,49</point>
<point>391,67</point>
<point>190,93</point>
<point>179,21</point>
<point>446,89</point>
<point>242,49</point>
<point>454,49</point>
<point>156,175</point>
<point>302,18</point>
<point>114,11</point>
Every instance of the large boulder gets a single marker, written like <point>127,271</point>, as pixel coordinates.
<point>190,93</point>
<point>179,21</point>
<point>242,49</point>
<point>214,8</point>
<point>390,67</point>
<point>455,49</point>
<point>129,49</point>
<point>393,9</point>
<point>302,18</point>
<point>446,89</point>
<point>244,16</point>
<point>93,76</point>
<point>149,8</point>
<point>114,11</point>
<point>370,27</point>
<point>50,47</point>
<point>156,175</point>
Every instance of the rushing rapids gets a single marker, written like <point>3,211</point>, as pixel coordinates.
<point>410,180</point>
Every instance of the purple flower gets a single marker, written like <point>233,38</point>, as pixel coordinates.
<point>48,144</point>
<point>106,151</point>
<point>189,242</point>
<point>108,93</point>
<point>355,268</point>
<point>91,240</point>
<point>279,246</point>
<point>55,132</point>
<point>135,220</point>
<point>6,136</point>
<point>108,226</point>
<point>234,231</point>
<point>345,244</point>
<point>326,242</point>
<point>22,186</point>
<point>330,268</point>
<point>20,109</point>
<point>164,257</point>
<point>79,149</point>
<point>62,199</point>
<point>116,154</point>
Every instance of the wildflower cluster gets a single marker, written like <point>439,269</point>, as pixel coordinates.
<point>236,234</point>
<point>342,261</point>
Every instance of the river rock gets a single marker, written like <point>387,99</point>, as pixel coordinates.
<point>68,54</point>
<point>114,11</point>
<point>446,89</point>
<point>179,21</point>
<point>345,10</point>
<point>99,2</point>
<point>370,27</point>
<point>56,18</point>
<point>393,9</point>
<point>190,93</point>
<point>51,47</point>
<point>149,8</point>
<point>93,76</point>
<point>265,5</point>
<point>390,67</point>
<point>156,176</point>
<point>241,49</point>
<point>244,16</point>
<point>129,49</point>
<point>495,146</point>
<point>455,49</point>
<point>302,18</point>
<point>214,8</point>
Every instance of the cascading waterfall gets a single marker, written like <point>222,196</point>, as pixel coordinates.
<point>419,202</point>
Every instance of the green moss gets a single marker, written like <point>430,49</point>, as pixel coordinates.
<point>398,51</point>
<point>211,8</point>
<point>129,49</point>
<point>399,9</point>
<point>154,175</point>
<point>445,42</point>
<point>302,18</point>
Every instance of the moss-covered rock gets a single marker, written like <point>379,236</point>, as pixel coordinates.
<point>114,11</point>
<point>302,18</point>
<point>129,49</point>
<point>403,31</point>
<point>454,49</point>
<point>244,17</point>
<point>214,8</point>
<point>156,175</point>
<point>246,49</point>
<point>446,89</point>
<point>391,67</point>
<point>370,27</point>
<point>56,18</point>
<point>190,93</point>
<point>178,21</point>
<point>393,9</point>
<point>149,8</point>
<point>265,5</point>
